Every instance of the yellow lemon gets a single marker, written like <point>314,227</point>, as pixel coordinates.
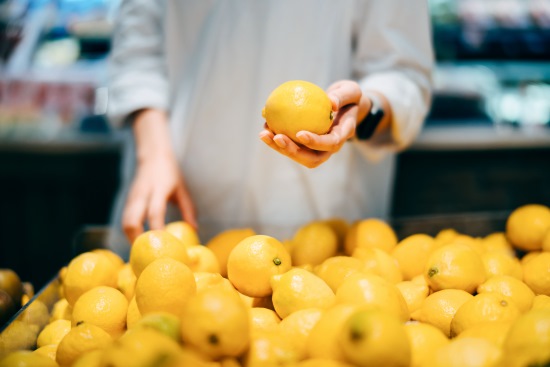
<point>89,359</point>
<point>313,243</point>
<point>18,335</point>
<point>53,333</point>
<point>340,226</point>
<point>528,340</point>
<point>439,308</point>
<point>541,301</point>
<point>164,285</point>
<point>298,105</point>
<point>528,257</point>
<point>501,263</point>
<point>49,351</point>
<point>126,281</point>
<point>444,237</point>
<point>373,337</point>
<point>254,261</point>
<point>323,338</point>
<point>298,289</point>
<point>26,358</point>
<point>163,322</point>
<point>36,314</point>
<point>546,242</point>
<point>466,352</point>
<point>269,348</point>
<point>536,273</point>
<point>223,243</point>
<point>493,331</point>
<point>370,232</point>
<point>216,322</point>
<point>201,258</point>
<point>412,254</point>
<point>87,271</point>
<point>510,288</point>
<point>184,232</point>
<point>474,243</point>
<point>320,362</point>
<point>373,291</point>
<point>497,241</point>
<point>297,327</point>
<point>192,358</point>
<point>80,339</point>
<point>142,347</point>
<point>335,269</point>
<point>112,256</point>
<point>454,266</point>
<point>102,306</point>
<point>379,262</point>
<point>262,318</point>
<point>425,339</point>
<point>133,314</point>
<point>206,280</point>
<point>482,308</point>
<point>527,225</point>
<point>413,293</point>
<point>152,245</point>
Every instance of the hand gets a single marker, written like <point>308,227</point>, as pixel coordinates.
<point>313,150</point>
<point>158,178</point>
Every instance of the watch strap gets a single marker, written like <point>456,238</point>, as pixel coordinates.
<point>366,128</point>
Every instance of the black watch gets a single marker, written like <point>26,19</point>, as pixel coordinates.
<point>366,128</point>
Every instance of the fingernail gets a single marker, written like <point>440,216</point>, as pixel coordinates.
<point>280,142</point>
<point>304,138</point>
<point>336,102</point>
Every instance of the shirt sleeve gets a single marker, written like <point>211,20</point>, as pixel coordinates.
<point>137,68</point>
<point>394,56</point>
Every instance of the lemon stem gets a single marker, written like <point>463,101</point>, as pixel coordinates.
<point>277,261</point>
<point>213,339</point>
<point>432,272</point>
<point>356,334</point>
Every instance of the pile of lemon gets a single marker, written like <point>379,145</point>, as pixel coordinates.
<point>335,294</point>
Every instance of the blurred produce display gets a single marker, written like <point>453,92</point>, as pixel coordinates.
<point>334,294</point>
<point>13,294</point>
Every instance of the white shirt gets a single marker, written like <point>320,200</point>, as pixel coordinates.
<point>212,65</point>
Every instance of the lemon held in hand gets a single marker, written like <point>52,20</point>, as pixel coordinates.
<point>298,105</point>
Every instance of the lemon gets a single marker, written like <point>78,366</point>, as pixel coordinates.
<point>373,291</point>
<point>541,301</point>
<point>17,335</point>
<point>113,257</point>
<point>497,241</point>
<point>163,322</point>
<point>133,314</point>
<point>454,266</point>
<point>164,285</point>
<point>528,257</point>
<point>126,281</point>
<point>262,318</point>
<point>510,288</point>
<point>320,362</point>
<point>412,254</point>
<point>298,289</point>
<point>11,284</point>
<point>254,261</point>
<point>493,331</point>
<point>142,347</point>
<point>102,306</point>
<point>501,263</point>
<point>25,358</point>
<point>87,271</point>
<point>152,245</point>
<point>269,348</point>
<point>298,105</point>
<point>528,340</point>
<point>379,262</point>
<point>439,308</point>
<point>191,357</point>
<point>89,359</point>
<point>536,273</point>
<point>223,243</point>
<point>80,339</point>
<point>36,313</point>
<point>373,337</point>
<point>216,322</point>
<point>201,258</point>
<point>425,339</point>
<point>184,232</point>
<point>53,332</point>
<point>444,237</point>
<point>482,308</point>
<point>413,293</point>
<point>49,351</point>
<point>336,269</point>
<point>205,280</point>
<point>297,327</point>
<point>340,226</point>
<point>466,352</point>
<point>370,232</point>
<point>527,225</point>
<point>323,337</point>
<point>313,243</point>
<point>546,242</point>
<point>475,243</point>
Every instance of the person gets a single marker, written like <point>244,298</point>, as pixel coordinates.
<point>191,79</point>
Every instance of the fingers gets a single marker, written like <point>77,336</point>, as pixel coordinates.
<point>343,93</point>
<point>134,213</point>
<point>284,145</point>
<point>186,206</point>
<point>157,210</point>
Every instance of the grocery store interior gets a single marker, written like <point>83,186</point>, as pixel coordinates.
<point>484,148</point>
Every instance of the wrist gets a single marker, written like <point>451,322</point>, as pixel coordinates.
<point>152,136</point>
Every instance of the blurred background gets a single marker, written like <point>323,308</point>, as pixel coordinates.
<point>485,147</point>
